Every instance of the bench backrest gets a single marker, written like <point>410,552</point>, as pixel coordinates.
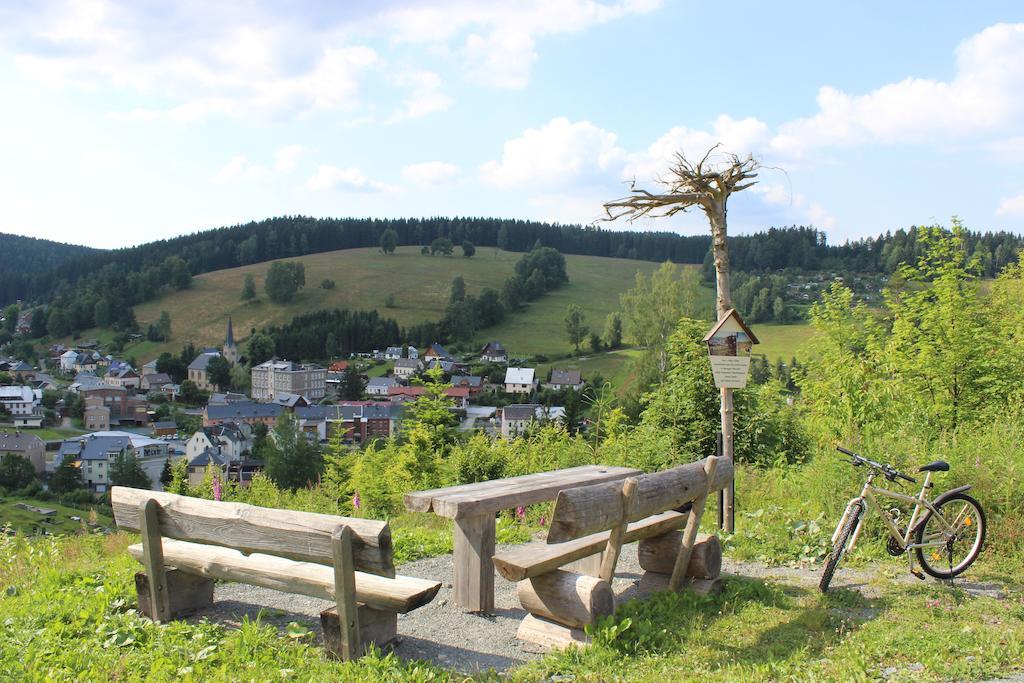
<point>302,536</point>
<point>599,507</point>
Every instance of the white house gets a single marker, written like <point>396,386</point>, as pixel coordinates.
<point>378,386</point>
<point>520,381</point>
<point>67,361</point>
<point>515,418</point>
<point>407,367</point>
<point>565,379</point>
<point>20,400</point>
<point>228,440</point>
<point>393,353</point>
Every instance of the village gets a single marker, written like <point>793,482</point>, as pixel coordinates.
<point>120,402</point>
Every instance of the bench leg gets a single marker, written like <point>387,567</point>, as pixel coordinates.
<point>187,593</point>
<point>376,627</point>
<point>474,569</point>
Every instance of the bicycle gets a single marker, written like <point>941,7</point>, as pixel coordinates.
<point>942,528</point>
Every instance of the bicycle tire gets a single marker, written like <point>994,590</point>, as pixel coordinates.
<point>979,539</point>
<point>839,549</point>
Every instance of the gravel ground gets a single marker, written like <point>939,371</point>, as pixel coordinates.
<point>442,633</point>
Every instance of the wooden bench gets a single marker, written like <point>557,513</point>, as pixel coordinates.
<point>594,522</point>
<point>189,542</point>
<point>473,507</point>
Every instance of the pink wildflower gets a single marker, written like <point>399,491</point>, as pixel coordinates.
<point>520,512</point>
<point>543,520</point>
<point>216,488</point>
<point>356,502</point>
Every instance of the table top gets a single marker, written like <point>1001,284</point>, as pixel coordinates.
<point>488,497</point>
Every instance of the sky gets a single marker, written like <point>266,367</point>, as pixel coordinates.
<point>125,122</point>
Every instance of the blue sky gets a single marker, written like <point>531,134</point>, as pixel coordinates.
<point>123,122</point>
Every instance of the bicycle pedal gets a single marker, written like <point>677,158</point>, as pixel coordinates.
<point>917,574</point>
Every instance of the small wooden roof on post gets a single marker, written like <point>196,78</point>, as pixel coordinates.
<point>732,315</point>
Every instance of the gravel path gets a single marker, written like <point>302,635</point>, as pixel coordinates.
<point>442,633</point>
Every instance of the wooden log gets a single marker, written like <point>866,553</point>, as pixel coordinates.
<point>588,509</point>
<point>571,599</point>
<point>153,561</point>
<point>534,559</point>
<point>658,554</point>
<point>399,594</point>
<point>376,627</point>
<point>618,532</point>
<point>345,594</point>
<point>187,593</point>
<point>302,536</point>
<point>653,582</point>
<point>550,635</point>
<point>473,568</point>
<point>588,566</point>
<point>678,579</point>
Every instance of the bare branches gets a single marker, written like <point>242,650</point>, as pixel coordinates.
<point>707,185</point>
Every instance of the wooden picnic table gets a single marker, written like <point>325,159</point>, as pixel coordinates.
<point>473,507</point>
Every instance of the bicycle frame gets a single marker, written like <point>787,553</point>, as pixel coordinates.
<point>871,494</point>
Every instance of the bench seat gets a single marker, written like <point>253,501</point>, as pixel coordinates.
<point>399,594</point>
<point>534,559</point>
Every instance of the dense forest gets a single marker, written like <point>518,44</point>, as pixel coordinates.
<point>89,288</point>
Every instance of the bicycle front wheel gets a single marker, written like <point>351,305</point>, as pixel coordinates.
<point>839,549</point>
<point>954,536</point>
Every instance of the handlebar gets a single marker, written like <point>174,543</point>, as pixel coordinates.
<point>890,472</point>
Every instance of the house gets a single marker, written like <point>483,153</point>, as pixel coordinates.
<point>407,367</point>
<point>122,375</point>
<point>565,379</point>
<point>86,362</point>
<point>99,450</point>
<point>165,428</point>
<point>282,376</point>
<point>20,400</point>
<point>96,415</point>
<point>198,464</point>
<point>230,440</point>
<point>154,381</point>
<point>378,386</point>
<point>493,352</point>
<point>26,445</point>
<point>478,417</point>
<point>43,382</point>
<point>123,410</point>
<point>19,369</point>
<point>149,368</point>
<point>520,381</point>
<point>435,350</point>
<point>356,420</point>
<point>448,366</point>
<point>249,412</point>
<point>197,371</point>
<point>290,401</point>
<point>223,399</point>
<point>412,352</point>
<point>473,383</point>
<point>516,418</point>
<point>393,353</point>
<point>85,380</point>
<point>67,361</point>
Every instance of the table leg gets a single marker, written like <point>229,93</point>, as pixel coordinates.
<point>474,570</point>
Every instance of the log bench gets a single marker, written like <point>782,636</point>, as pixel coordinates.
<point>661,511</point>
<point>187,543</point>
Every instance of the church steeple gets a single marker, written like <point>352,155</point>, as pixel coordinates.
<point>230,350</point>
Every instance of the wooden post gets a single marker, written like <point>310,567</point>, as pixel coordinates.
<point>728,504</point>
<point>474,569</point>
<point>153,560</point>
<point>679,578</point>
<point>345,592</point>
<point>611,552</point>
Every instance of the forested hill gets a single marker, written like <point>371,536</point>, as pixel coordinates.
<point>136,274</point>
<point>28,259</point>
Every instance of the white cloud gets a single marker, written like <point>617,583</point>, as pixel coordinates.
<point>986,93</point>
<point>239,169</point>
<point>431,173</point>
<point>501,60</point>
<point>1011,206</point>
<point>349,179</point>
<point>425,95</point>
<point>286,159</point>
<point>556,153</point>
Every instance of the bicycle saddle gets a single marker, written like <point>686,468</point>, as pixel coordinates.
<point>937,466</point>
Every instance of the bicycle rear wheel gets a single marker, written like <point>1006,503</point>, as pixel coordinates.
<point>959,535</point>
<point>839,549</point>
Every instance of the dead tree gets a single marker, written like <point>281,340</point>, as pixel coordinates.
<point>708,185</point>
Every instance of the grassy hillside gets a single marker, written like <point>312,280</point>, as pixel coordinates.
<point>782,341</point>
<point>365,278</point>
<point>31,523</point>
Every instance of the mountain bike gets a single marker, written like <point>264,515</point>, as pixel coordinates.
<point>947,531</point>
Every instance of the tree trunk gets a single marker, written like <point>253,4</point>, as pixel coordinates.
<point>723,302</point>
